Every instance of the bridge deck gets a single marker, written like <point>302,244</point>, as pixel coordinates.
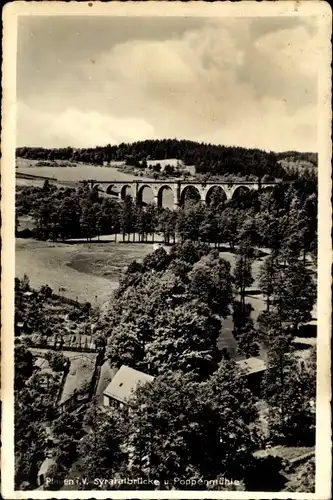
<point>170,181</point>
<point>154,182</point>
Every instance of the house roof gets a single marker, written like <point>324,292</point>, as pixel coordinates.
<point>311,341</point>
<point>42,363</point>
<point>252,365</point>
<point>46,465</point>
<point>125,382</point>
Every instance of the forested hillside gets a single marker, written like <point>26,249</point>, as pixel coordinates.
<point>207,158</point>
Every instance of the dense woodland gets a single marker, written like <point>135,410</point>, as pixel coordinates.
<point>201,418</point>
<point>207,158</point>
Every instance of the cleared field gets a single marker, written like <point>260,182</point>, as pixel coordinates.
<point>91,271</point>
<point>66,266</point>
<point>80,172</point>
<point>75,172</point>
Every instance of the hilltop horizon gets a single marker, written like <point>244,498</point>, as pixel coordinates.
<point>167,139</point>
<point>205,158</point>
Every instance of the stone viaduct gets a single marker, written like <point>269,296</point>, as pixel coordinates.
<point>179,189</point>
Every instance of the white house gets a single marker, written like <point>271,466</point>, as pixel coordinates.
<point>123,385</point>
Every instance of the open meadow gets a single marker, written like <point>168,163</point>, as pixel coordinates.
<point>65,266</point>
<point>70,171</point>
<point>79,172</point>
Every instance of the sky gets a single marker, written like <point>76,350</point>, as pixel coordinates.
<point>88,81</point>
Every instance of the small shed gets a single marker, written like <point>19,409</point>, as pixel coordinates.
<point>123,385</point>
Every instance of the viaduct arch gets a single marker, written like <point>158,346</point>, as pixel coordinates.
<point>179,189</point>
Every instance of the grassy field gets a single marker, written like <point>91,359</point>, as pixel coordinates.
<point>91,271</point>
<point>76,172</point>
<point>67,266</point>
<point>82,171</point>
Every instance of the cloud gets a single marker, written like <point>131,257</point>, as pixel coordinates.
<point>77,128</point>
<point>221,83</point>
<point>292,50</point>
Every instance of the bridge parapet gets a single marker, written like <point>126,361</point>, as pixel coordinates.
<point>178,188</point>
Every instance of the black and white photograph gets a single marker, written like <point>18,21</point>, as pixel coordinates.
<point>166,328</point>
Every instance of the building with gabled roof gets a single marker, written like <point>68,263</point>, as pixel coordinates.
<point>123,385</point>
<point>252,365</point>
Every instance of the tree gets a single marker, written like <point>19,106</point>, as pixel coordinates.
<point>23,366</point>
<point>167,311</point>
<point>100,449</point>
<point>126,346</point>
<point>209,227</point>
<point>296,294</point>
<point>69,218</point>
<point>244,330</point>
<point>189,220</point>
<point>288,389</point>
<point>168,224</point>
<point>169,170</point>
<point>158,260</point>
<point>46,292</point>
<point>189,252</point>
<point>185,339</point>
<point>127,216</point>
<point>268,278</point>
<point>68,425</point>
<point>57,361</point>
<point>34,404</point>
<point>210,282</point>
<point>243,274</point>
<point>157,168</point>
<point>228,224</point>
<point>180,428</point>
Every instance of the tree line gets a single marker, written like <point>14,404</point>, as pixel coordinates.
<point>207,158</point>
<point>283,219</point>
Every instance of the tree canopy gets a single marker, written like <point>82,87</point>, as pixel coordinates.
<point>167,312</point>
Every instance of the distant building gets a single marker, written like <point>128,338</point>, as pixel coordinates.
<point>123,385</point>
<point>173,162</point>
